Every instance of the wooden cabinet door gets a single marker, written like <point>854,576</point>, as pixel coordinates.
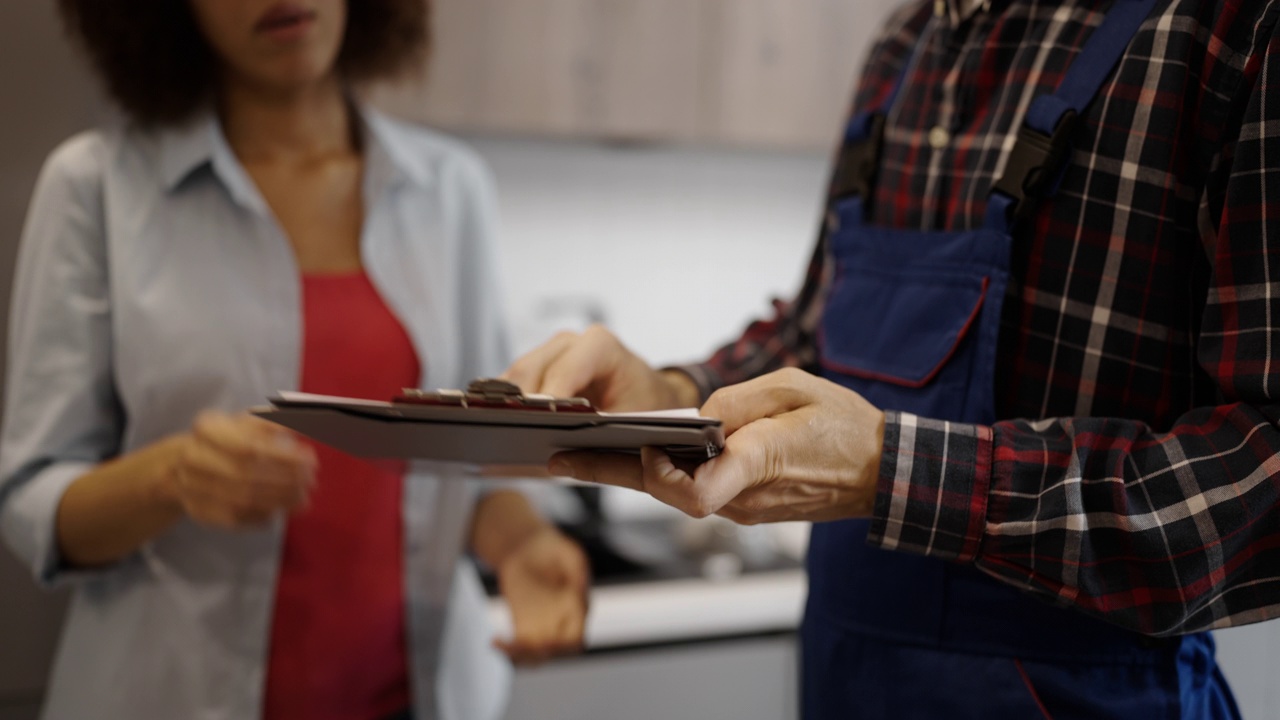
<point>498,65</point>
<point>774,73</point>
<point>643,70</point>
<point>782,70</point>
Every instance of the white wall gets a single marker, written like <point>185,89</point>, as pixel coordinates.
<point>680,248</point>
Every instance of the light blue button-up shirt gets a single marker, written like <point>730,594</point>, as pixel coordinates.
<point>154,282</point>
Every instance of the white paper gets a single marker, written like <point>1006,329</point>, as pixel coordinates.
<point>301,397</point>
<point>680,414</point>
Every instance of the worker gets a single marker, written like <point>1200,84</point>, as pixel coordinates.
<point>1036,336</point>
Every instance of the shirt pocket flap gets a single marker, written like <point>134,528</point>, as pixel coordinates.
<point>899,326</point>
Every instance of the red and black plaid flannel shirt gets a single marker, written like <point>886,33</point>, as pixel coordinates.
<point>1135,471</point>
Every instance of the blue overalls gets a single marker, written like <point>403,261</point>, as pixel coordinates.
<point>911,324</point>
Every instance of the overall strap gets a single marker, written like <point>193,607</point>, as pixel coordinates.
<point>859,160</point>
<point>1044,141</point>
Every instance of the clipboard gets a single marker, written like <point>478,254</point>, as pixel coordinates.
<point>490,423</point>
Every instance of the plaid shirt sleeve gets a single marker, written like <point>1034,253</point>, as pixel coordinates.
<point>1165,527</point>
<point>1162,532</point>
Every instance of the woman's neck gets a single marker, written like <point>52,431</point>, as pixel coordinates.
<point>302,126</point>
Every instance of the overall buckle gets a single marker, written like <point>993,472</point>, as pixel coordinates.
<point>1034,166</point>
<point>859,163</point>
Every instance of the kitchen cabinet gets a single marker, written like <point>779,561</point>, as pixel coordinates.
<point>782,70</point>
<point>558,67</point>
<point>738,679</point>
<point>761,73</point>
<point>682,648</point>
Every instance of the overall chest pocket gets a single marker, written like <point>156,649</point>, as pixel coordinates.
<point>906,336</point>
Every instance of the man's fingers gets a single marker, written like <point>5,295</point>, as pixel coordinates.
<point>603,468</point>
<point>672,485</point>
<point>528,371</point>
<point>774,394</point>
<point>749,459</point>
<point>698,495</point>
<point>689,490</point>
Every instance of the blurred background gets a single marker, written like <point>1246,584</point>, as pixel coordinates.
<point>661,165</point>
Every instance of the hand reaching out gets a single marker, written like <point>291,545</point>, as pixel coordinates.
<point>238,471</point>
<point>596,365</point>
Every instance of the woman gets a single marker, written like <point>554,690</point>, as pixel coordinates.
<point>252,228</point>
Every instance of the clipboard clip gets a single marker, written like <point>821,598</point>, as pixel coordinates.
<point>495,394</point>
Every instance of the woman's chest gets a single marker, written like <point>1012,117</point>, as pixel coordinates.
<point>208,307</point>
<point>319,209</point>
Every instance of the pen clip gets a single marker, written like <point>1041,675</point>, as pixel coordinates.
<point>493,394</point>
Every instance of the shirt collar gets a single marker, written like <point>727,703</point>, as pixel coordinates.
<point>186,148</point>
<point>391,157</point>
<point>199,143</point>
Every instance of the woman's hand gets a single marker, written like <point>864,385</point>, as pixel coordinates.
<point>545,581</point>
<point>238,471</point>
<point>543,576</point>
<point>797,448</point>
<point>227,472</point>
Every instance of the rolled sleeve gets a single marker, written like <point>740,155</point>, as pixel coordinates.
<point>29,520</point>
<point>62,416</point>
<point>931,496</point>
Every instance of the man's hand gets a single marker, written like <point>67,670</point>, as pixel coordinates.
<point>595,365</point>
<point>798,448</point>
<point>545,582</point>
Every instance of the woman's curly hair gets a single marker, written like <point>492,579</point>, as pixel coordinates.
<point>158,67</point>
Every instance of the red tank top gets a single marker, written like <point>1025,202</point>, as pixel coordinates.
<point>338,634</point>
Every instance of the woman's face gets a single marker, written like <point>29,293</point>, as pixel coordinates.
<point>275,44</point>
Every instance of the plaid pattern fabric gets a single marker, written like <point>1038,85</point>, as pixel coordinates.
<point>1135,470</point>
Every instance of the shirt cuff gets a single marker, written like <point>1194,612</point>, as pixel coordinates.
<point>29,518</point>
<point>931,496</point>
<point>704,377</point>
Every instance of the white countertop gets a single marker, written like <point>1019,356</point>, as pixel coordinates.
<point>679,610</point>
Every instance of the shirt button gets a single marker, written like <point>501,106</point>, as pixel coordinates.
<point>939,138</point>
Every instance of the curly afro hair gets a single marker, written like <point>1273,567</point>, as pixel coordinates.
<point>159,68</point>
